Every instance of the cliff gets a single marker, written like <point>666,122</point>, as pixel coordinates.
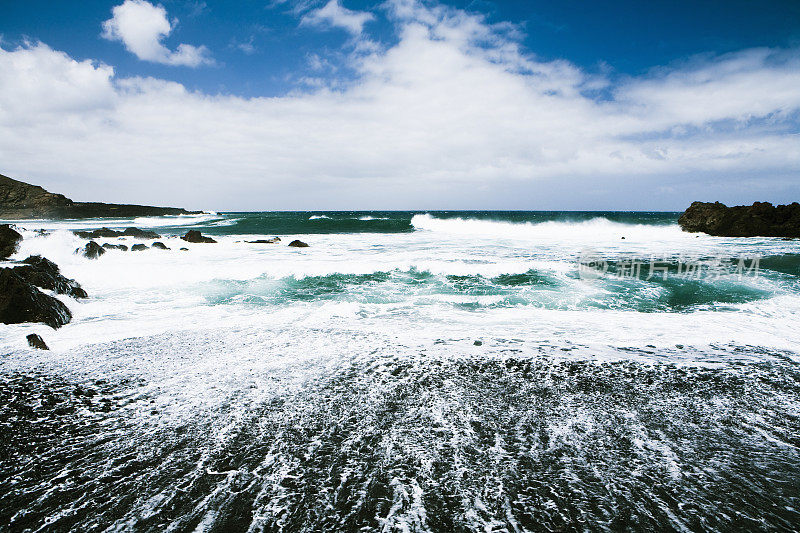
<point>762,219</point>
<point>19,200</point>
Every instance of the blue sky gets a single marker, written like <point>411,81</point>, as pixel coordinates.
<point>403,104</point>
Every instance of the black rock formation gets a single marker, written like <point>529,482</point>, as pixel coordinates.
<point>45,274</point>
<point>273,240</point>
<point>23,200</point>
<point>92,250</point>
<point>762,219</point>
<point>109,246</point>
<point>159,245</point>
<point>110,233</point>
<point>21,302</point>
<point>138,247</point>
<point>298,244</point>
<point>196,236</point>
<point>9,240</point>
<point>35,341</point>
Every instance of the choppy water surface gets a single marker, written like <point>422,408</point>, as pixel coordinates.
<point>408,372</point>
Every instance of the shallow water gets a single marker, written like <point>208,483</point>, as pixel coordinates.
<point>240,386</point>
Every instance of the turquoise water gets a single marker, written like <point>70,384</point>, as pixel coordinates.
<point>316,222</point>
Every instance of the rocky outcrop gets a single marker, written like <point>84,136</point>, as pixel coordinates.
<point>196,236</point>
<point>9,240</point>
<point>762,219</point>
<point>109,246</point>
<point>159,245</point>
<point>298,244</point>
<point>92,250</point>
<point>21,302</point>
<point>45,274</point>
<point>138,247</point>
<point>107,233</point>
<point>273,240</point>
<point>35,341</point>
<point>23,200</point>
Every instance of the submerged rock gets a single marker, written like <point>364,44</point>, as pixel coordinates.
<point>159,245</point>
<point>298,244</point>
<point>92,250</point>
<point>109,246</point>
<point>21,302</point>
<point>35,341</point>
<point>196,236</point>
<point>108,233</point>
<point>9,240</point>
<point>273,240</point>
<point>138,247</point>
<point>42,272</point>
<point>184,249</point>
<point>762,219</point>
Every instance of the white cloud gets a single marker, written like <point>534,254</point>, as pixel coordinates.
<point>142,27</point>
<point>333,14</point>
<point>454,115</point>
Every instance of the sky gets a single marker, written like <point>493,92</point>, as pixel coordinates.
<point>403,104</point>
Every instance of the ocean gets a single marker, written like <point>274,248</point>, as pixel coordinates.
<point>409,371</point>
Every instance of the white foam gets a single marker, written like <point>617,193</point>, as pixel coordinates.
<point>135,294</point>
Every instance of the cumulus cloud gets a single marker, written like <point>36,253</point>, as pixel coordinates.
<point>142,26</point>
<point>333,14</point>
<point>454,115</point>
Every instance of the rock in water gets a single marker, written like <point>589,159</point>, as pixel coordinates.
<point>762,219</point>
<point>265,241</point>
<point>35,341</point>
<point>92,250</point>
<point>138,247</point>
<point>107,233</point>
<point>159,245</point>
<point>298,244</point>
<point>9,241</point>
<point>22,302</point>
<point>44,273</point>
<point>140,233</point>
<point>122,247</point>
<point>196,236</point>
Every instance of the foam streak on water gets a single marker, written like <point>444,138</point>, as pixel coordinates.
<point>258,387</point>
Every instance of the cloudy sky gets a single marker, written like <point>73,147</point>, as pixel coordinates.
<point>339,104</point>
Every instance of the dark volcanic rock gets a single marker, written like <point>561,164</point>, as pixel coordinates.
<point>35,341</point>
<point>109,233</point>
<point>184,249</point>
<point>159,245</point>
<point>9,240</point>
<point>44,273</point>
<point>122,247</point>
<point>265,241</point>
<point>92,250</point>
<point>298,244</point>
<point>22,302</point>
<point>98,233</point>
<point>138,247</point>
<point>23,200</point>
<point>196,236</point>
<point>762,219</point>
<point>140,233</point>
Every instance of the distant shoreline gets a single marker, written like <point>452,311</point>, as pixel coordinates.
<point>21,201</point>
